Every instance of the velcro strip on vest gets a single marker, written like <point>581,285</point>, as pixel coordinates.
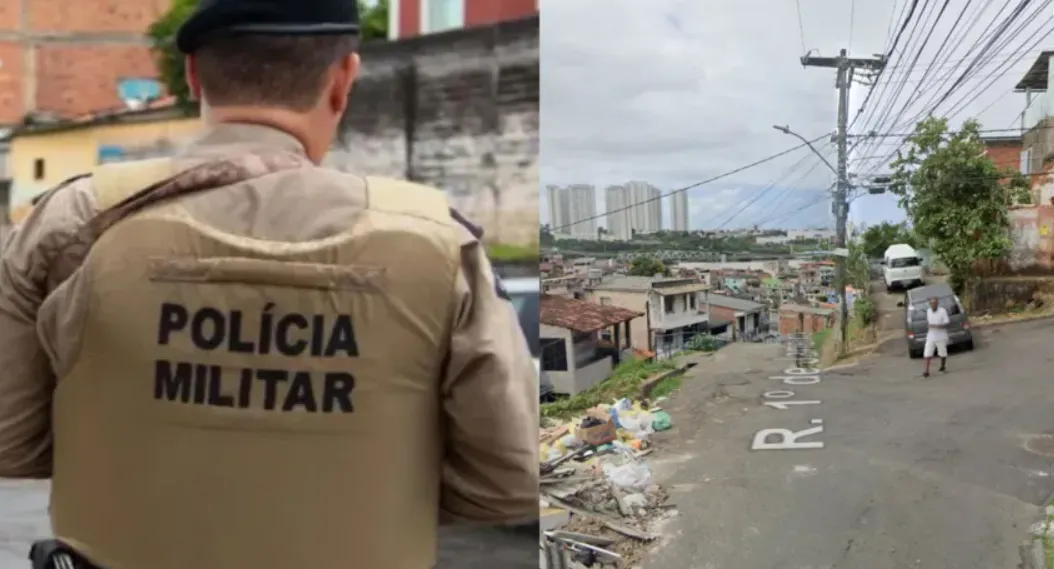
<point>114,183</point>
<point>408,198</point>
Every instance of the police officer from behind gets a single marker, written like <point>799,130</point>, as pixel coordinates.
<point>239,358</point>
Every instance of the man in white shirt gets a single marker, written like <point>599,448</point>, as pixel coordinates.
<point>936,335</point>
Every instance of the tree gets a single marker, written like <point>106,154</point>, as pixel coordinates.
<point>956,198</point>
<point>877,238</point>
<point>170,65</point>
<point>647,267</point>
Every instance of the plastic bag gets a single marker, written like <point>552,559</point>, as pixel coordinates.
<point>638,424</point>
<point>632,476</point>
<point>661,421</point>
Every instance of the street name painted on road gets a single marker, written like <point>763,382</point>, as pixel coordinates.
<point>801,374</point>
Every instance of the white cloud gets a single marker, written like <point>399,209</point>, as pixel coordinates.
<point>676,91</point>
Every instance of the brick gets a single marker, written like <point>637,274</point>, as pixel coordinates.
<point>93,16</point>
<point>10,15</point>
<point>458,111</point>
<point>11,69</point>
<point>79,79</point>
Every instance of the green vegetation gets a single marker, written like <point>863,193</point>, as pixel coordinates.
<point>679,241</point>
<point>865,313</point>
<point>956,198</point>
<point>877,238</point>
<point>858,268</point>
<point>625,381</point>
<point>502,253</point>
<point>170,64</point>
<point>647,266</point>
<point>667,386</point>
<point>819,338</point>
<point>1048,543</point>
<point>702,343</point>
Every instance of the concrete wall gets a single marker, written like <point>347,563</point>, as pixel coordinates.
<point>996,295</point>
<point>1032,234</point>
<point>584,370</point>
<point>813,323</point>
<point>68,153</point>
<point>459,111</point>
<point>637,301</point>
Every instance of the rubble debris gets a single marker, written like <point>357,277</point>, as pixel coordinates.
<point>599,499</point>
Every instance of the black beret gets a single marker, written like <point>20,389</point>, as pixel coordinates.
<point>285,17</point>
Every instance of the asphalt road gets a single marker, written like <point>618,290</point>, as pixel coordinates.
<point>929,473</point>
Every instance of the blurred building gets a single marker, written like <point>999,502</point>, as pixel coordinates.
<point>679,211</point>
<point>412,18</point>
<point>634,207</point>
<point>62,58</point>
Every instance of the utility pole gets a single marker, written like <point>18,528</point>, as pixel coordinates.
<point>844,66</point>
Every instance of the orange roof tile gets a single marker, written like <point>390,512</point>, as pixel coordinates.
<point>581,316</point>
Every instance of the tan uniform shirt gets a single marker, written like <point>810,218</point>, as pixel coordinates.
<point>490,397</point>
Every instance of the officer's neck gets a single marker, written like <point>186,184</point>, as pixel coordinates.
<point>298,125</point>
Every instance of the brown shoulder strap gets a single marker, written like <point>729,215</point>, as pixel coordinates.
<point>207,176</point>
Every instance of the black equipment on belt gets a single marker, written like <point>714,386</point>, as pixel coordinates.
<point>53,554</point>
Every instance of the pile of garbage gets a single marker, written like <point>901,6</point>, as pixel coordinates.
<point>598,498</point>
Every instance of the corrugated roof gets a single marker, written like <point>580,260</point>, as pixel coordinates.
<point>734,303</point>
<point>807,309</point>
<point>1036,76</point>
<point>661,285</point>
<point>581,316</point>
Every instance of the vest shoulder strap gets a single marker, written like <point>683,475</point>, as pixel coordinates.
<point>400,196</point>
<point>113,183</point>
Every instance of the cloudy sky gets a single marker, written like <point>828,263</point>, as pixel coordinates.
<point>676,91</point>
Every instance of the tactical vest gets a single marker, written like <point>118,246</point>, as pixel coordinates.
<point>240,403</point>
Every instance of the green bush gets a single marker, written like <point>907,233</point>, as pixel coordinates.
<point>703,343</point>
<point>625,381</point>
<point>865,310</point>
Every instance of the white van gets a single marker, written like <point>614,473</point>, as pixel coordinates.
<point>902,267</point>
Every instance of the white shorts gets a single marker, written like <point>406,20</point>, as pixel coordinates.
<point>938,346</point>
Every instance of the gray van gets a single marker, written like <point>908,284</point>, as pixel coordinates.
<point>916,301</point>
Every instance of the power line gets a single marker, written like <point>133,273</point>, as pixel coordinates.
<point>852,16</point>
<point>963,103</point>
<point>804,207</point>
<point>801,26</point>
<point>883,109</point>
<point>888,109</point>
<point>695,185</point>
<point>777,201</point>
<point>947,76</point>
<point>889,53</point>
<point>985,52</point>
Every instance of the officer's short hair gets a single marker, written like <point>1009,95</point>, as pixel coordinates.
<point>268,70</point>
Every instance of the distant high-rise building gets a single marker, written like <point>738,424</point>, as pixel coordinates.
<point>616,203</point>
<point>633,207</point>
<point>646,212</point>
<point>559,210</point>
<point>583,211</point>
<point>679,211</point>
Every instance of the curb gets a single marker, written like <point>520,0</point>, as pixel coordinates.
<point>975,325</point>
<point>1033,551</point>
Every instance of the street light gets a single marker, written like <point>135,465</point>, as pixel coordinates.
<point>787,130</point>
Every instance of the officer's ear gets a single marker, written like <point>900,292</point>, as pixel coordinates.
<point>344,73</point>
<point>191,75</point>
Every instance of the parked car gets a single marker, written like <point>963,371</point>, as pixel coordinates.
<point>916,302</point>
<point>526,297</point>
<point>902,267</point>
